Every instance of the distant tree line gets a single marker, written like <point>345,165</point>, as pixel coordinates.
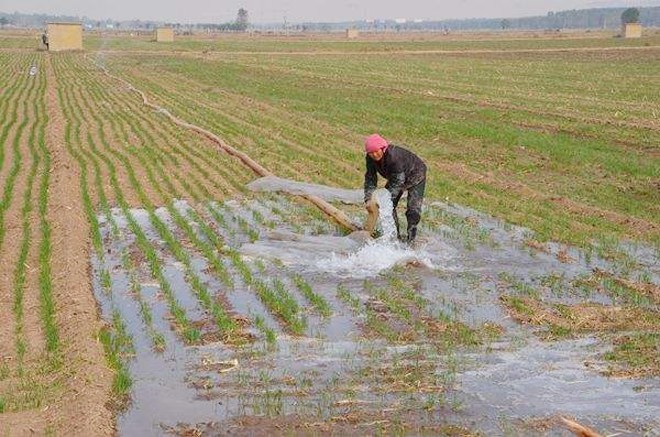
<point>17,19</point>
<point>603,18</point>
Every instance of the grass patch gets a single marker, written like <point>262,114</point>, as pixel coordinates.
<point>635,355</point>
<point>568,321</point>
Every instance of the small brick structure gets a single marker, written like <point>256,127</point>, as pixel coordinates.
<point>352,33</point>
<point>164,34</point>
<point>63,36</point>
<point>631,30</point>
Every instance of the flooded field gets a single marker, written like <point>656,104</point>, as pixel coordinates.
<point>340,334</point>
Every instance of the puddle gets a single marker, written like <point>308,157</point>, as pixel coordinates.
<point>334,368</point>
<point>546,379</point>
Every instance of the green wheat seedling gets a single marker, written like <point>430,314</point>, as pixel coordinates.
<point>621,292</point>
<point>259,218</point>
<point>555,282</point>
<point>47,307</point>
<point>222,320</point>
<point>349,299</point>
<point>200,290</point>
<point>189,333</point>
<point>244,226</point>
<point>378,321</point>
<point>21,267</point>
<point>269,333</point>
<point>106,281</point>
<point>282,304</point>
<point>243,269</point>
<point>318,302</point>
<point>4,370</point>
<point>408,293</point>
<point>521,287</point>
<point>118,346</point>
<point>220,219</point>
<point>157,338</point>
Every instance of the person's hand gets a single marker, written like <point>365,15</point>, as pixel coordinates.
<point>371,205</point>
<point>372,208</point>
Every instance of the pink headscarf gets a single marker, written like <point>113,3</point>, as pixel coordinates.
<point>374,142</point>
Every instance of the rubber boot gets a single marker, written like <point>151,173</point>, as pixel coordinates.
<point>412,234</point>
<point>396,223</point>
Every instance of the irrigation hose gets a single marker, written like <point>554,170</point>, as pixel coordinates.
<point>328,209</point>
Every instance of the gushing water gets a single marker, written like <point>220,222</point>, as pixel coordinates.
<point>385,217</point>
<point>380,254</point>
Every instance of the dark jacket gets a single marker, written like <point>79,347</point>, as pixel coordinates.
<point>402,169</point>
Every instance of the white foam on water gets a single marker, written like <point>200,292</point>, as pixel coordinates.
<point>372,258</point>
<point>377,255</point>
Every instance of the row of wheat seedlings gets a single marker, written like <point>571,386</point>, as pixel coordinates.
<point>135,288</point>
<point>21,98</point>
<point>291,157</point>
<point>276,297</point>
<point>114,337</point>
<point>88,152</point>
<point>14,90</point>
<point>178,220</point>
<point>31,275</point>
<point>20,273</point>
<point>47,308</point>
<point>203,159</point>
<point>148,158</point>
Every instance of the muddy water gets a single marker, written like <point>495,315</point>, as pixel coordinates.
<point>334,369</point>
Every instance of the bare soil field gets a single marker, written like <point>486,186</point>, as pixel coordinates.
<point>152,283</point>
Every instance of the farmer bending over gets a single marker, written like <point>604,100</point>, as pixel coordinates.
<point>404,171</point>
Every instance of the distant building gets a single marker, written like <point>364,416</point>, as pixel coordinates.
<point>631,30</point>
<point>352,33</point>
<point>164,34</point>
<point>63,36</point>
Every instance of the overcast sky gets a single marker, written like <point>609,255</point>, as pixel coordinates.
<point>261,11</point>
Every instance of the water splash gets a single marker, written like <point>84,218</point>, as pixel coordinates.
<point>374,257</point>
<point>385,217</point>
<point>380,254</point>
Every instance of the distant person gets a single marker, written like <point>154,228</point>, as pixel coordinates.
<point>404,171</point>
<point>44,39</point>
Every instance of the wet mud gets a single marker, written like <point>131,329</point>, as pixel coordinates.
<point>414,338</point>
